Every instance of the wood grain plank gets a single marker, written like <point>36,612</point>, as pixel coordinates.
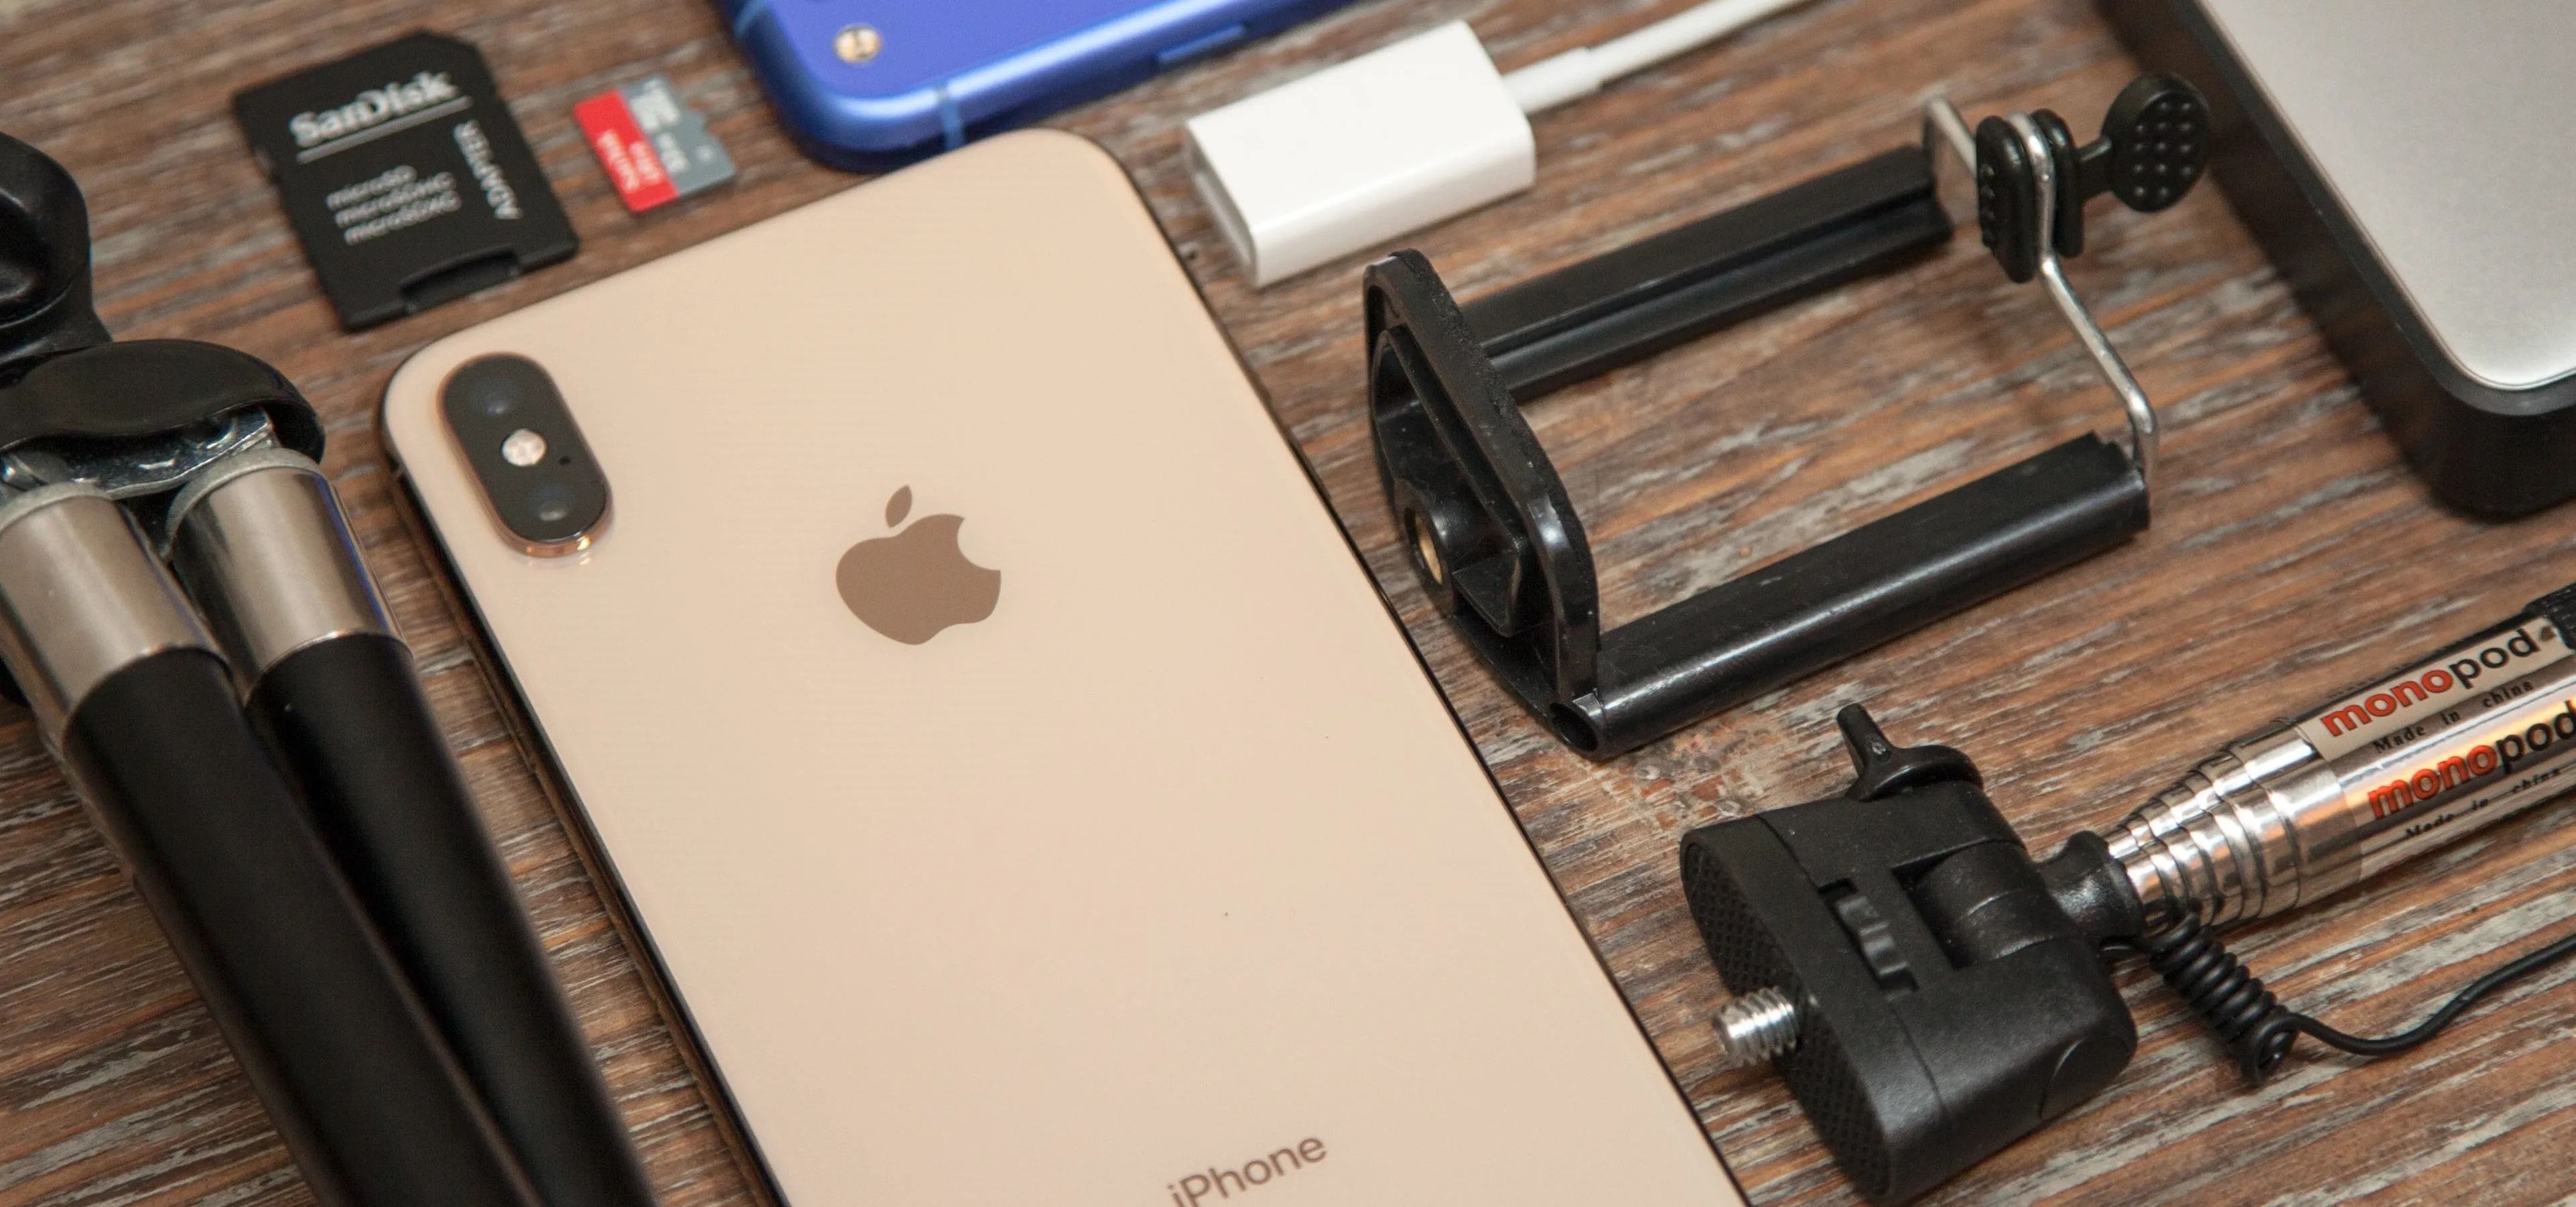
<point>2292,554</point>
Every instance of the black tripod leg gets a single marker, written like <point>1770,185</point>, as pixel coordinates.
<point>144,717</point>
<point>258,538</point>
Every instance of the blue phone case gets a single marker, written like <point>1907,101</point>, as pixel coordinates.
<point>948,71</point>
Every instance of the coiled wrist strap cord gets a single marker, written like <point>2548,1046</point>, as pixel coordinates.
<point>2259,1030</point>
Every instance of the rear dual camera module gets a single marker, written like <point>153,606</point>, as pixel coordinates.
<point>534,467</point>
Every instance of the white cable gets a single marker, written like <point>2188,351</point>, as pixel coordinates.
<point>1582,71</point>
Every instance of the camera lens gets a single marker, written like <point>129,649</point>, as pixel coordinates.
<point>551,503</point>
<point>511,422</point>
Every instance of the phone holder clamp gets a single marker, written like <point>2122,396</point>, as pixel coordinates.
<point>1496,543</point>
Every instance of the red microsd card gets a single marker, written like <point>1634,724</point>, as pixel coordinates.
<point>656,149</point>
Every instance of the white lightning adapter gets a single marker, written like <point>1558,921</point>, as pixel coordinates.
<point>1404,136</point>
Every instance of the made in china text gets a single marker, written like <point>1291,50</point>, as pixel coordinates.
<point>2475,763</point>
<point>2460,674</point>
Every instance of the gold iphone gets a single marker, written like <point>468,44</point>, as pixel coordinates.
<point>1023,789</point>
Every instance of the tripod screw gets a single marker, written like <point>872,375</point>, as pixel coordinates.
<point>1756,1027</point>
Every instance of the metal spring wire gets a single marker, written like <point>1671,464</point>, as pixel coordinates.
<point>2258,1030</point>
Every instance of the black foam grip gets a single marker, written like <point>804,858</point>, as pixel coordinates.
<point>348,717</point>
<point>348,1063</point>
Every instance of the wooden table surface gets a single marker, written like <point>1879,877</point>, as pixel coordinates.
<point>2292,555</point>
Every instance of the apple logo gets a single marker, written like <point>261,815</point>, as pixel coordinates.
<point>911,585</point>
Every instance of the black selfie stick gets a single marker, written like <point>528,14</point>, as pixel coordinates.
<point>259,541</point>
<point>138,709</point>
<point>1932,991</point>
<point>257,537</point>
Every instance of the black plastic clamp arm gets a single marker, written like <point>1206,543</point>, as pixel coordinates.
<point>1497,544</point>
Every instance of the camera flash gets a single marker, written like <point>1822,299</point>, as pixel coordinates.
<point>523,448</point>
